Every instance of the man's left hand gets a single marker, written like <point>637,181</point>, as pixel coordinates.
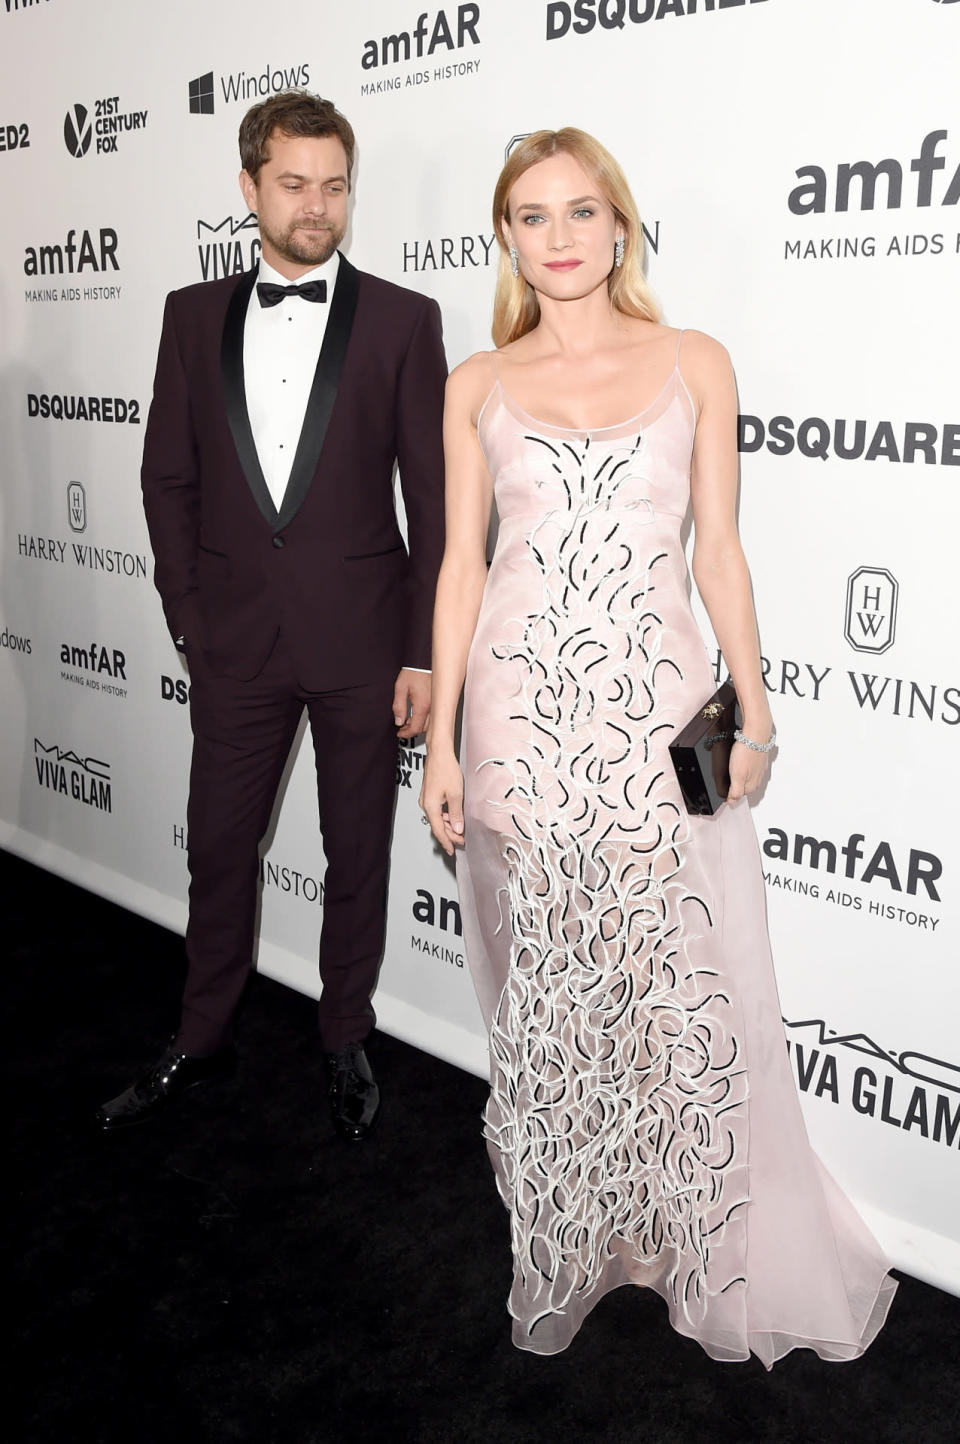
<point>411,702</point>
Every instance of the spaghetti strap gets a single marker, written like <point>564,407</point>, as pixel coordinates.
<point>495,385</point>
<point>676,359</point>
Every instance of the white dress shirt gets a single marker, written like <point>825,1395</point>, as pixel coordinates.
<point>281,345</point>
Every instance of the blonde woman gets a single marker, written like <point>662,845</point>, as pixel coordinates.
<point>642,1122</point>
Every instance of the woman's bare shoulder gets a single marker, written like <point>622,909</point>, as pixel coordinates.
<point>699,350</point>
<point>470,383</point>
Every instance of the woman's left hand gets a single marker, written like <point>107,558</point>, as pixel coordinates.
<point>748,771</point>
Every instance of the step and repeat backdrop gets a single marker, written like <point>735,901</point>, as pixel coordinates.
<point>797,165</point>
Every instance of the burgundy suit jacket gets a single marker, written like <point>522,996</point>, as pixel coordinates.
<point>330,569</point>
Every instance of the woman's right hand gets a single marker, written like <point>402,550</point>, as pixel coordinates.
<point>441,799</point>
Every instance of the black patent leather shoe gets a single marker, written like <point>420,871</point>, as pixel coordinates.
<point>172,1074</point>
<point>354,1095</point>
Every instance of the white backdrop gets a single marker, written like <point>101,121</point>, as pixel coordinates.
<point>797,163</point>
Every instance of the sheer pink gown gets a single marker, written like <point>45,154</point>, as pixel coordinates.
<point>643,1122</point>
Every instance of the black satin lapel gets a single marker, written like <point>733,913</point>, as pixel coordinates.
<point>235,396</point>
<point>323,392</point>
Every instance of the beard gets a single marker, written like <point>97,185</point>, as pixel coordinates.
<point>303,243</point>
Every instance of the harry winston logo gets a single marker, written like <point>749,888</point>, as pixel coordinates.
<point>76,506</point>
<point>871,618</point>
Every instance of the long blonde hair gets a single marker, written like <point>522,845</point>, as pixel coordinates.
<point>516,309</point>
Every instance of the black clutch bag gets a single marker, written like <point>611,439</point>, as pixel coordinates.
<point>700,753</point>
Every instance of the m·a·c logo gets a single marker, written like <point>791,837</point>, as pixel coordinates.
<point>871,617</point>
<point>84,779</point>
<point>76,506</point>
<point>227,247</point>
<point>202,94</point>
<point>77,130</point>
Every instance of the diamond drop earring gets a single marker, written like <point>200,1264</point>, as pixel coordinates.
<point>514,263</point>
<point>618,251</point>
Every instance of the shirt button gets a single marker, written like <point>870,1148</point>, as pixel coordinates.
<point>279,541</point>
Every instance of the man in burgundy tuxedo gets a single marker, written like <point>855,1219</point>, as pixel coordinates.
<point>282,399</point>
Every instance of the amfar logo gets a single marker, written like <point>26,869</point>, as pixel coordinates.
<point>441,914</point>
<point>74,256</point>
<point>227,247</point>
<point>414,44</point>
<point>76,506</point>
<point>85,779</point>
<point>922,869</point>
<point>109,124</point>
<point>88,666</point>
<point>14,137</point>
<point>582,15</point>
<point>871,615</point>
<point>13,5</point>
<point>95,658</point>
<point>856,182</point>
<point>244,86</point>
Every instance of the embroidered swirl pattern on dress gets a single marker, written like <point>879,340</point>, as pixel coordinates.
<point>616,1072</point>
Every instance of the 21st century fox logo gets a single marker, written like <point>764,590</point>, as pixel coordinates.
<point>105,124</point>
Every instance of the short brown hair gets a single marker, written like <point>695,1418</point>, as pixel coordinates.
<point>291,112</point>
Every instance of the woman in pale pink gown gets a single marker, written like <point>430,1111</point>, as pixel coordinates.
<point>643,1122</point>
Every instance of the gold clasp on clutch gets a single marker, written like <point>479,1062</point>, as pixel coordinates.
<point>713,709</point>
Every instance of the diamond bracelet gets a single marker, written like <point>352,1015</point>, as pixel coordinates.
<point>756,746</point>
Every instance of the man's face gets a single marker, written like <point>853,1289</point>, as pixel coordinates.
<point>300,197</point>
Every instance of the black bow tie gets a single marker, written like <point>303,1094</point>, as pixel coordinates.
<point>271,295</point>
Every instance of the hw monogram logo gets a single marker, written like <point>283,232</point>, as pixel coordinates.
<point>871,620</point>
<point>76,506</point>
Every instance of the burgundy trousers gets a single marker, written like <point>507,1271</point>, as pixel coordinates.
<point>242,735</point>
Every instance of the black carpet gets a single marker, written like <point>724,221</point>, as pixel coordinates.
<point>233,1272</point>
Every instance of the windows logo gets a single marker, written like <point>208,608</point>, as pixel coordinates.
<point>201,94</point>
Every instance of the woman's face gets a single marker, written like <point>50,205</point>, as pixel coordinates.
<point>562,227</point>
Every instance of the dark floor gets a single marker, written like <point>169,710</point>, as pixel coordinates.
<point>232,1272</point>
